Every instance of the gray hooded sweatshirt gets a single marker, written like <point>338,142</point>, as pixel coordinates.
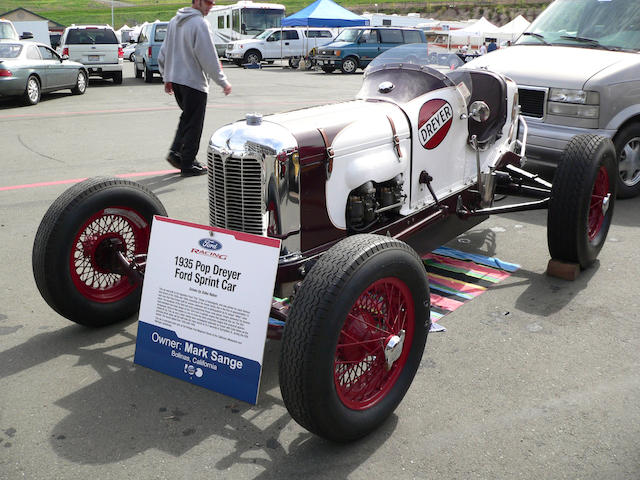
<point>188,55</point>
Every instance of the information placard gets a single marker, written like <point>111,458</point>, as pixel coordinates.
<point>205,305</point>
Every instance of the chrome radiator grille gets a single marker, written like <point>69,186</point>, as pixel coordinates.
<point>235,193</point>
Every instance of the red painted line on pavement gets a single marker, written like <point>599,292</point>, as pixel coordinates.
<point>78,180</point>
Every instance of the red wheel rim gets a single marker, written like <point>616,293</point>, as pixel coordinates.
<point>92,280</point>
<point>383,310</point>
<point>599,203</point>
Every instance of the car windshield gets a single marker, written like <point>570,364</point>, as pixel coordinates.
<point>10,50</point>
<point>605,24</point>
<point>406,72</point>
<point>255,20</point>
<point>264,34</point>
<point>348,35</point>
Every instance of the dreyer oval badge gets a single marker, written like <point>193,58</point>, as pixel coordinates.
<point>210,244</point>
<point>434,122</point>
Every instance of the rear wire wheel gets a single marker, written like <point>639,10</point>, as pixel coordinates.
<point>75,250</point>
<point>582,200</point>
<point>354,337</point>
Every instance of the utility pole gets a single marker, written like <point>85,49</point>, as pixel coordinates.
<point>112,24</point>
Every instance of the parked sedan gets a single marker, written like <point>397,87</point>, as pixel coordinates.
<point>28,69</point>
<point>129,50</point>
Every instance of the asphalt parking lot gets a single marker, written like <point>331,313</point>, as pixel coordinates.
<point>536,378</point>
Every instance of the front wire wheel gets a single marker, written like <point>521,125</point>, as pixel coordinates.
<point>354,337</point>
<point>381,318</point>
<point>79,244</point>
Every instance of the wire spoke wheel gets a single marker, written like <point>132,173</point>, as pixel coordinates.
<point>80,245</point>
<point>91,255</point>
<point>354,337</point>
<point>582,200</point>
<point>381,314</point>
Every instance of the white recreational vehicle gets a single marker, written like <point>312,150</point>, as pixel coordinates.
<point>244,19</point>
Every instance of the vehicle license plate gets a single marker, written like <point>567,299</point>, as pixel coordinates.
<point>94,58</point>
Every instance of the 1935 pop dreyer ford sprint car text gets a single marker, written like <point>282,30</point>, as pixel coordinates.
<point>354,191</point>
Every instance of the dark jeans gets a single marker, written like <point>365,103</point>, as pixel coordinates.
<point>193,104</point>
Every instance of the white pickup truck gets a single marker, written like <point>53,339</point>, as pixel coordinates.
<point>291,43</point>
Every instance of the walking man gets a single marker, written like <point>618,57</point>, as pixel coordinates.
<point>187,60</point>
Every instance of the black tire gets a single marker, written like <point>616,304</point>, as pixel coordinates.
<point>252,56</point>
<point>32,92</point>
<point>81,83</point>
<point>238,63</point>
<point>68,268</point>
<point>348,283</point>
<point>627,144</point>
<point>148,74</point>
<point>138,72</point>
<point>117,78</point>
<point>327,69</point>
<point>132,57</point>
<point>582,200</point>
<point>349,65</point>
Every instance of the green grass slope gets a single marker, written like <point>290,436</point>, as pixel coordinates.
<point>67,12</point>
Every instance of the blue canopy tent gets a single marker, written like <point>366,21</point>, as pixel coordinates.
<point>324,13</point>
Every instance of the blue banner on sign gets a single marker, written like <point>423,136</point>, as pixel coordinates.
<point>162,350</point>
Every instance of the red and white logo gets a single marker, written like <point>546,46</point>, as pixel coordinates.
<point>434,122</point>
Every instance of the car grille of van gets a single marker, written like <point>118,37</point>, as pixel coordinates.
<point>235,193</point>
<point>531,102</point>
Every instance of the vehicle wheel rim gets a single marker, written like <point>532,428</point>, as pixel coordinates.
<point>82,82</point>
<point>120,224</point>
<point>349,66</point>
<point>599,205</point>
<point>383,310</point>
<point>252,58</point>
<point>629,166</point>
<point>33,90</point>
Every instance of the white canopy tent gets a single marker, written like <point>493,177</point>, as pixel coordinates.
<point>514,28</point>
<point>475,34</point>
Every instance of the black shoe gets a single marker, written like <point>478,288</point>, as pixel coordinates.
<point>195,170</point>
<point>174,159</point>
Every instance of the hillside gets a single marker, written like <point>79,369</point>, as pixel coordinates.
<point>134,12</point>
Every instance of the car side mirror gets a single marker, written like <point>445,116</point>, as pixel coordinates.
<point>479,111</point>
<point>26,36</point>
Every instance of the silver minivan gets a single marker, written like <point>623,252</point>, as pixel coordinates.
<point>578,71</point>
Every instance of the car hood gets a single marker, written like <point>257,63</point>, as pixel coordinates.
<point>336,45</point>
<point>550,66</point>
<point>248,41</point>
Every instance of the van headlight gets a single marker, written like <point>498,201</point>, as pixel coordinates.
<point>573,103</point>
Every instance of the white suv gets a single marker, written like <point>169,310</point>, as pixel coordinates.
<point>274,43</point>
<point>97,47</point>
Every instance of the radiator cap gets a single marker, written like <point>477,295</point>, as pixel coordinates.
<point>254,119</point>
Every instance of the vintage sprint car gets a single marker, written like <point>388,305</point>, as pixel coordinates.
<point>354,191</point>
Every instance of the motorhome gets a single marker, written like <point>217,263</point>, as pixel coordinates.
<point>244,19</point>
